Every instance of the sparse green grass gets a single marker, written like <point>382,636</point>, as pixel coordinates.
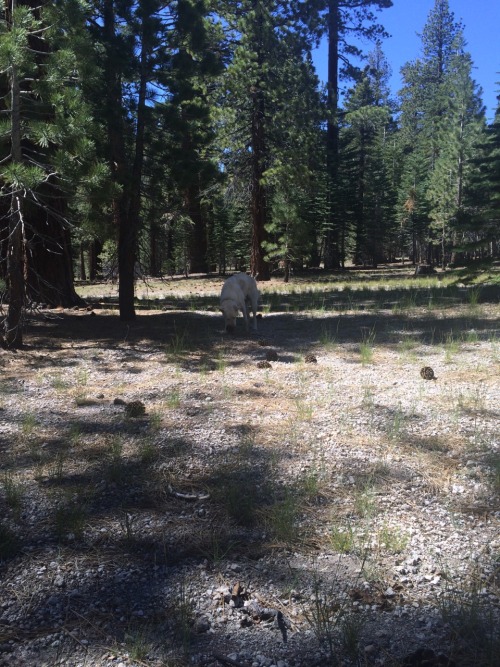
<point>55,469</point>
<point>392,539</point>
<point>69,520</point>
<point>474,297</point>
<point>396,425</point>
<point>183,617</point>
<point>173,400</point>
<point>365,502</point>
<point>331,620</point>
<point>366,347</point>
<point>59,383</point>
<point>155,421</point>
<point>407,346</point>
<point>219,545</point>
<point>13,493</point>
<point>473,620</point>
<point>28,424</point>
<point>116,470</point>
<point>493,462</point>
<point>239,497</point>
<point>178,345</point>
<point>343,538</point>
<point>451,347</point>
<point>406,304</point>
<point>82,377</point>
<point>327,337</point>
<point>471,336</point>
<point>148,452</point>
<point>221,363</point>
<point>281,517</point>
<point>304,410</point>
<point>138,644</point>
<point>473,401</point>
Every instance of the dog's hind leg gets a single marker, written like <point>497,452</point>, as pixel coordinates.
<point>244,310</point>
<point>252,301</point>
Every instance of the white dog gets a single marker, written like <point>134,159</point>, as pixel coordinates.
<point>238,292</point>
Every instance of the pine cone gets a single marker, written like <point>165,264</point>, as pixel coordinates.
<point>427,373</point>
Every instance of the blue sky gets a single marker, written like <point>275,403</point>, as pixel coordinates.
<point>406,18</point>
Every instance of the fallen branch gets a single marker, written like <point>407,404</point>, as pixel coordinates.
<point>187,496</point>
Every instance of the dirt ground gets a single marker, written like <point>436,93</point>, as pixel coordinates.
<point>173,495</point>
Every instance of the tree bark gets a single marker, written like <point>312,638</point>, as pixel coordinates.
<point>331,257</point>
<point>258,266</point>
<point>198,246</point>
<point>15,271</point>
<point>116,136</point>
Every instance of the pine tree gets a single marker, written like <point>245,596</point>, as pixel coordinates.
<point>365,146</point>
<point>186,119</point>
<point>48,125</point>
<point>441,123</point>
<point>342,20</point>
<point>480,223</point>
<point>268,121</point>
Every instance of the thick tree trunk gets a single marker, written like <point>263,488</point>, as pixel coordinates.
<point>49,260</point>
<point>331,257</point>
<point>116,134</point>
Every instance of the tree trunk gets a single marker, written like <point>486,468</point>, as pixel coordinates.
<point>198,245</point>
<point>49,262</point>
<point>154,251</point>
<point>116,135</point>
<point>15,272</point>
<point>83,273</point>
<point>95,248</point>
<point>258,266</point>
<point>331,257</point>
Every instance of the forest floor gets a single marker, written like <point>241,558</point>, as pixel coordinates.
<point>167,499</point>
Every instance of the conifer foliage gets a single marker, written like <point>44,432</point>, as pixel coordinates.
<point>47,152</point>
<point>183,136</point>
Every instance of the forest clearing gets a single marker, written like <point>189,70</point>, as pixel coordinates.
<point>173,495</point>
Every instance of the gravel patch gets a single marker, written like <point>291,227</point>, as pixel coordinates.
<point>168,500</point>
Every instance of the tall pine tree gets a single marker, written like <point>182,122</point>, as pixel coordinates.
<point>441,121</point>
<point>48,126</point>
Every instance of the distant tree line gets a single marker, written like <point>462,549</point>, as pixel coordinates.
<point>191,136</point>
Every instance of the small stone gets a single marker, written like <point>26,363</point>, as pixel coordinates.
<point>202,625</point>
